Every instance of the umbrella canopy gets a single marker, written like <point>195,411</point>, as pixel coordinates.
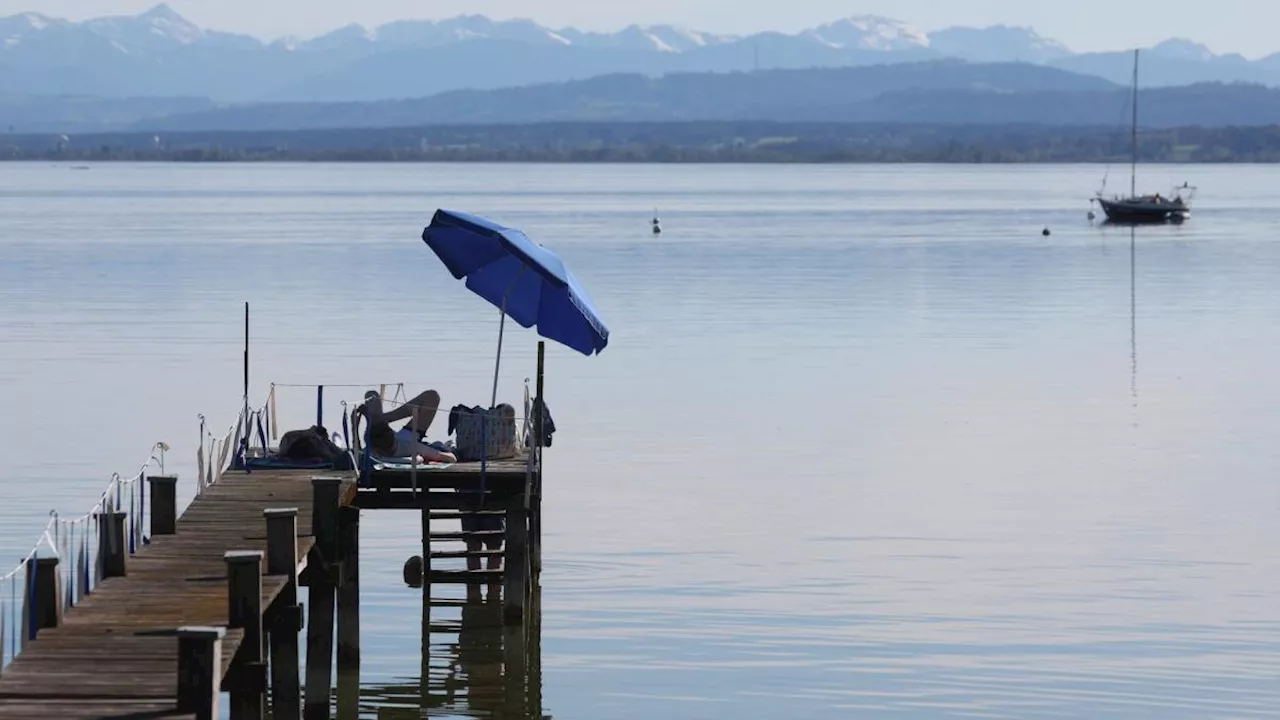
<point>526,281</point>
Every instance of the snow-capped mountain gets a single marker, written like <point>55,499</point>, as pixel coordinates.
<point>869,32</point>
<point>999,43</point>
<point>160,53</point>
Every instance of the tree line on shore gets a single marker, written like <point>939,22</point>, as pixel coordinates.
<point>695,142</point>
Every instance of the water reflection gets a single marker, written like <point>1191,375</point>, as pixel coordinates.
<point>473,666</point>
<point>1133,320</point>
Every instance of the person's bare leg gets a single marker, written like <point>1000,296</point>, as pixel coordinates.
<point>426,405</point>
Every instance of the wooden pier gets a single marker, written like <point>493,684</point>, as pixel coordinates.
<point>212,601</point>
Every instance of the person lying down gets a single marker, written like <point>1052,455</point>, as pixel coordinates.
<point>409,440</point>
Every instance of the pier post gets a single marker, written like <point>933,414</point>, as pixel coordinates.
<point>164,504</point>
<point>48,594</point>
<point>514,670</point>
<point>535,496</point>
<point>349,591</point>
<point>199,665</point>
<point>244,610</point>
<point>112,550</point>
<point>321,596</point>
<point>286,616</point>
<point>515,570</point>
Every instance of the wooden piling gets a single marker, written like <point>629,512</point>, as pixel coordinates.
<point>112,549</point>
<point>514,670</point>
<point>199,667</point>
<point>515,571</point>
<point>244,611</point>
<point>48,594</point>
<point>164,504</point>
<point>286,617</point>
<point>535,492</point>
<point>324,525</point>
<point>349,590</point>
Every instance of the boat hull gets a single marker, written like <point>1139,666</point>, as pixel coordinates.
<point>1144,212</point>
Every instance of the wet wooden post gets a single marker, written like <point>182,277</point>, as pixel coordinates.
<point>286,616</point>
<point>515,571</point>
<point>535,651</point>
<point>244,610</point>
<point>535,493</point>
<point>112,549</point>
<point>323,582</point>
<point>514,670</point>
<point>349,613</point>
<point>48,594</point>
<point>199,668</point>
<point>164,504</point>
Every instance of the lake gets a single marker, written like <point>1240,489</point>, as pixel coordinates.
<point>864,443</point>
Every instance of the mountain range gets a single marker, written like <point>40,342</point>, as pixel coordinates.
<point>939,92</point>
<point>160,54</point>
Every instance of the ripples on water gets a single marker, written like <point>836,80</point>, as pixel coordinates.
<point>863,443</point>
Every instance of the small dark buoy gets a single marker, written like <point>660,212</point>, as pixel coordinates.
<point>1092,216</point>
<point>1046,232</point>
<point>413,571</point>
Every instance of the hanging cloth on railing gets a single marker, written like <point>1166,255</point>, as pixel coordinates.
<point>4,629</point>
<point>319,406</point>
<point>262,436</point>
<point>271,403</point>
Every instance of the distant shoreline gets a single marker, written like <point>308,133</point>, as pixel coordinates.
<point>756,142</point>
<point>483,161</point>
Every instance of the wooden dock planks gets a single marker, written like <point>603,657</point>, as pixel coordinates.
<point>110,657</point>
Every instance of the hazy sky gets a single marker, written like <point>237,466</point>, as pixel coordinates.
<point>1245,26</point>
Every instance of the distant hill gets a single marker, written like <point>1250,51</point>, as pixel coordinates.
<point>936,93</point>
<point>75,114</point>
<point>161,54</point>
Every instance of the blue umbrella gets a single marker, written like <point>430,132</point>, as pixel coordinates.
<point>520,278</point>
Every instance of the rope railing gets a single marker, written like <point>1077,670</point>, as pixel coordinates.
<point>75,542</point>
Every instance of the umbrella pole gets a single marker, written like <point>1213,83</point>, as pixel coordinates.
<point>497,361</point>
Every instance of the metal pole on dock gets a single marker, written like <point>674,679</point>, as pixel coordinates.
<point>321,596</point>
<point>246,366</point>
<point>286,616</point>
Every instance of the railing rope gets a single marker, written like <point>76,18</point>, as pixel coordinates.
<point>75,542</point>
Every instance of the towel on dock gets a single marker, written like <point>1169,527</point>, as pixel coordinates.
<point>406,464</point>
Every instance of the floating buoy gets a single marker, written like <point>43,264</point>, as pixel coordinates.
<point>657,229</point>
<point>1092,215</point>
<point>1046,232</point>
<point>413,571</point>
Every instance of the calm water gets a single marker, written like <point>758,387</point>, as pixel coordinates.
<point>863,444</point>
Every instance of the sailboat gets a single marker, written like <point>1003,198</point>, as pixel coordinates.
<point>1144,208</point>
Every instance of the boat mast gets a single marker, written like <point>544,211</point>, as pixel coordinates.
<point>1133,168</point>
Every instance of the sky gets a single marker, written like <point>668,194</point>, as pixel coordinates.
<point>1244,26</point>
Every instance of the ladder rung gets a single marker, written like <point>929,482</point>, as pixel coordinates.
<point>468,535</point>
<point>459,514</point>
<point>444,554</point>
<point>471,577</point>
